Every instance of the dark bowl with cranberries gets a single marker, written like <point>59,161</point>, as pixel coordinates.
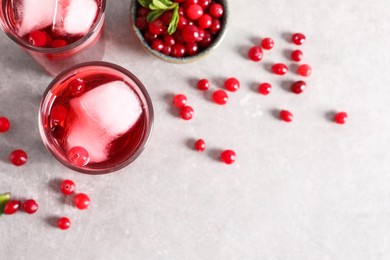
<point>179,31</point>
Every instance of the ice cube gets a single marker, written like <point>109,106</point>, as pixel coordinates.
<point>32,15</point>
<point>102,115</point>
<point>74,17</point>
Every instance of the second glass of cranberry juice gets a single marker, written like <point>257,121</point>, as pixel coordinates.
<point>56,33</point>
<point>95,117</point>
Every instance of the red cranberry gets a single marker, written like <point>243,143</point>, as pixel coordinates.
<point>178,37</point>
<point>298,38</point>
<point>141,23</point>
<point>67,187</point>
<point>265,88</point>
<point>207,40</point>
<point>215,26</point>
<point>286,116</point>
<point>149,37</point>
<point>203,84</point>
<point>297,55</point>
<point>341,118</point>
<point>179,1</point>
<point>37,39</point>
<point>11,207</point>
<point>192,48</point>
<point>166,17</point>
<point>216,10</point>
<point>201,34</point>
<point>205,21</point>
<point>186,112</point>
<point>181,10</point>
<point>298,87</point>
<point>78,156</point>
<point>76,87</point>
<point>194,11</point>
<point>58,43</point>
<point>204,3</point>
<point>304,70</point>
<point>49,40</point>
<point>178,50</point>
<point>190,33</point>
<point>169,40</point>
<point>157,44</point>
<point>156,27</point>
<point>166,50</point>
<point>200,145</point>
<point>81,201</point>
<point>191,2</point>
<point>255,53</point>
<point>279,69</point>
<point>267,43</point>
<point>18,157</point>
<point>232,84</point>
<point>58,113</point>
<point>63,223</point>
<point>181,23</point>
<point>179,100</point>
<point>228,156</point>
<point>30,206</point>
<point>57,132</point>
<point>142,11</point>
<point>4,124</point>
<point>220,97</point>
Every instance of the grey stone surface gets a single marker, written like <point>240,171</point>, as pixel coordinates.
<point>306,190</point>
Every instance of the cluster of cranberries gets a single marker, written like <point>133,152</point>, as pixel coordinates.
<point>17,157</point>
<point>29,206</point>
<point>198,24</point>
<point>80,201</point>
<point>256,54</point>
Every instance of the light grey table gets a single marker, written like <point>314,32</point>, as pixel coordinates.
<point>306,190</point>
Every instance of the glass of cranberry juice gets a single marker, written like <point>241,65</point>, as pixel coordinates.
<point>95,117</point>
<point>57,34</point>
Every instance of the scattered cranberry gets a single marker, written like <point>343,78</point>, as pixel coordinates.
<point>82,201</point>
<point>228,156</point>
<point>179,100</point>
<point>11,207</point>
<point>341,118</point>
<point>58,43</point>
<point>265,88</point>
<point>203,84</point>
<point>76,87</point>
<point>220,97</point>
<point>63,223</point>
<point>216,10</point>
<point>4,124</point>
<point>304,70</point>
<point>78,156</point>
<point>255,53</point>
<point>58,113</point>
<point>298,87</point>
<point>298,38</point>
<point>200,145</point>
<point>232,84</point>
<point>286,116</point>
<point>186,112</point>
<point>267,43</point>
<point>18,157</point>
<point>67,187</point>
<point>194,12</point>
<point>30,206</point>
<point>279,69</point>
<point>37,39</point>
<point>297,55</point>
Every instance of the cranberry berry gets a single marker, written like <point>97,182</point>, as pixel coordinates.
<point>265,88</point>
<point>200,145</point>
<point>220,97</point>
<point>228,156</point>
<point>63,223</point>
<point>297,55</point>
<point>76,87</point>
<point>78,156</point>
<point>205,21</point>
<point>156,27</point>
<point>216,10</point>
<point>11,207</point>
<point>255,53</point>
<point>279,69</point>
<point>186,112</point>
<point>37,39</point>
<point>4,124</point>
<point>298,38</point>
<point>286,116</point>
<point>304,70</point>
<point>232,84</point>
<point>67,187</point>
<point>82,201</point>
<point>179,100</point>
<point>267,43</point>
<point>341,118</point>
<point>30,206</point>
<point>18,157</point>
<point>194,12</point>
<point>203,84</point>
<point>298,87</point>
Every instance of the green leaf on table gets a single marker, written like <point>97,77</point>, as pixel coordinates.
<point>174,21</point>
<point>145,3</point>
<point>153,15</point>
<point>4,198</point>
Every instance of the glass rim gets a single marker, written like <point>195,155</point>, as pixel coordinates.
<point>97,24</point>
<point>145,137</point>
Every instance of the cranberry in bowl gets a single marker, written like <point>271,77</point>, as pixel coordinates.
<point>179,31</point>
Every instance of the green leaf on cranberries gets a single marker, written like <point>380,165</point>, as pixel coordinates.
<point>145,3</point>
<point>174,20</point>
<point>157,4</point>
<point>4,198</point>
<point>153,15</point>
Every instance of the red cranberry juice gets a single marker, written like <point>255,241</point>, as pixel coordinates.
<point>120,148</point>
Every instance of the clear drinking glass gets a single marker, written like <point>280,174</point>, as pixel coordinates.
<point>81,48</point>
<point>99,108</point>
